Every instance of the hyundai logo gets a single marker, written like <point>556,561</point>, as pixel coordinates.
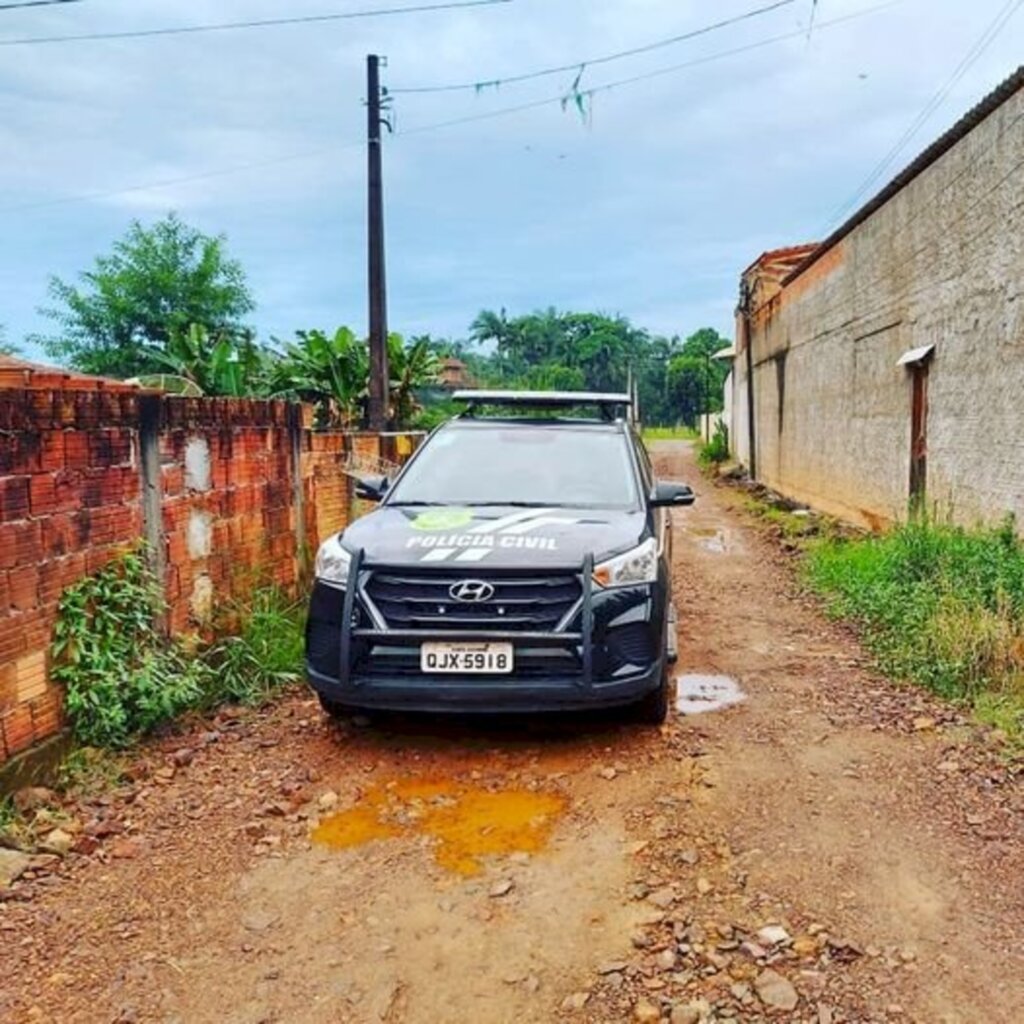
<point>471,591</point>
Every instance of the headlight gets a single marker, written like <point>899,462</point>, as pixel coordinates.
<point>639,565</point>
<point>332,562</point>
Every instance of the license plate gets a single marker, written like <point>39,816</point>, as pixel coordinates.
<point>472,659</point>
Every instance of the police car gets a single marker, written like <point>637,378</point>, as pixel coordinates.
<point>519,562</point>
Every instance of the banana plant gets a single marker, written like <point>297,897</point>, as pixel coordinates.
<point>331,371</point>
<point>409,367</point>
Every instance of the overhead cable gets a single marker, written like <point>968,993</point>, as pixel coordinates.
<point>562,98</point>
<point>308,19</point>
<point>977,49</point>
<point>504,111</point>
<point>35,3</point>
<point>593,61</point>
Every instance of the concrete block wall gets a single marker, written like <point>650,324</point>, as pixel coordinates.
<point>230,493</point>
<point>939,262</point>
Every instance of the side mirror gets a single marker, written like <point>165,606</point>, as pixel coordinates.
<point>669,492</point>
<point>372,488</point>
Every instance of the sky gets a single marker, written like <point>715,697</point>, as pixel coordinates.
<point>649,207</point>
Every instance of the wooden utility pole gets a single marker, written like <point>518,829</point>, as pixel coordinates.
<point>378,409</point>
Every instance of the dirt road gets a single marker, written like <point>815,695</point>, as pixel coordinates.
<point>831,848</point>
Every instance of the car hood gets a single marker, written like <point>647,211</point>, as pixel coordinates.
<point>492,537</point>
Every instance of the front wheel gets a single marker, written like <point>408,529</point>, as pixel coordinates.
<point>333,708</point>
<point>652,709</point>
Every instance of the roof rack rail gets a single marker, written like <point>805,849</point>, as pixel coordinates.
<point>606,402</point>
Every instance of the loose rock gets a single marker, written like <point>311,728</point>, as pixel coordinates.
<point>58,841</point>
<point>31,798</point>
<point>13,863</point>
<point>646,1012</point>
<point>689,1014</point>
<point>773,935</point>
<point>775,991</point>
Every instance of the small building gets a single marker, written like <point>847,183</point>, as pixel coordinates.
<point>453,374</point>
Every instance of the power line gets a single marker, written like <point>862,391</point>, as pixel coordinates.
<point>228,25</point>
<point>35,3</point>
<point>548,101</point>
<point>977,49</point>
<point>607,58</point>
<point>186,179</point>
<point>586,94</point>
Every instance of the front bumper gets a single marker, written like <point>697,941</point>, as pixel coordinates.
<point>468,694</point>
<point>609,652</point>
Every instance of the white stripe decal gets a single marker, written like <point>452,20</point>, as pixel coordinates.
<point>437,554</point>
<point>520,528</point>
<point>510,520</point>
<point>474,554</point>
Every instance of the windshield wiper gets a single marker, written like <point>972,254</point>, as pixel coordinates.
<point>418,504</point>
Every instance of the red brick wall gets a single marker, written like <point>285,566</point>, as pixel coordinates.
<point>228,494</point>
<point>70,499</point>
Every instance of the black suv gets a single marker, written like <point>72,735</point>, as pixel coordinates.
<point>518,562</point>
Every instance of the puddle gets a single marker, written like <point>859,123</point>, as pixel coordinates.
<point>698,694</point>
<point>466,822</point>
<point>710,539</point>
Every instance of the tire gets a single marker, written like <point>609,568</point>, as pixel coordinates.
<point>652,709</point>
<point>333,708</point>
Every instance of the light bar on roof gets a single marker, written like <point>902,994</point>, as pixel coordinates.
<point>542,399</point>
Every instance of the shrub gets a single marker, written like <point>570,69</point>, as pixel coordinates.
<point>122,678</point>
<point>715,451</point>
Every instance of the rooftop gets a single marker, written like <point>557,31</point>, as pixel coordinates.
<point>21,373</point>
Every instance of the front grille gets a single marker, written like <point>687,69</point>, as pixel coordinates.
<point>421,600</point>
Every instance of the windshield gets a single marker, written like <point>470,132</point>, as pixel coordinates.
<point>505,465</point>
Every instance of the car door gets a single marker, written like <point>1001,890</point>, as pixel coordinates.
<point>661,518</point>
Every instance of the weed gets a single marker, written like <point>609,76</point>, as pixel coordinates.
<point>122,678</point>
<point>938,605</point>
<point>8,816</point>
<point>715,451</point>
<point>266,653</point>
<point>89,771</point>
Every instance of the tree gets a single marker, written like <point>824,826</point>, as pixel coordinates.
<point>333,372</point>
<point>686,381</point>
<point>155,284</point>
<point>695,377</point>
<point>411,366</point>
<point>226,365</point>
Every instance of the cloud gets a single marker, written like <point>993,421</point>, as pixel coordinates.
<point>651,210</point>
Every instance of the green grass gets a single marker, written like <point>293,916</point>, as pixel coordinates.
<point>939,606</point>
<point>8,815</point>
<point>265,654</point>
<point>669,434</point>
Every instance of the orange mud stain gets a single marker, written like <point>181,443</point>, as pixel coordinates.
<point>467,823</point>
